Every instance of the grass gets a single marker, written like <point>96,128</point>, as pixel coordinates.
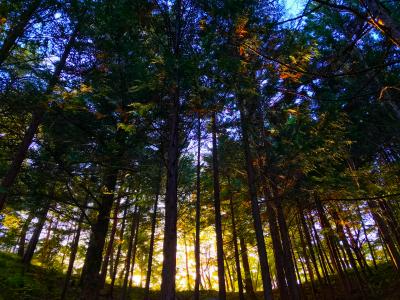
<point>39,283</point>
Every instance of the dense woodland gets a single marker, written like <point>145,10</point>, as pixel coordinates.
<point>154,149</point>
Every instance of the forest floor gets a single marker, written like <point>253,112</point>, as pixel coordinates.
<point>39,283</point>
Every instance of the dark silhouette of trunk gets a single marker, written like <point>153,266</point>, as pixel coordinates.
<point>110,245</point>
<point>217,207</point>
<point>248,284</point>
<point>228,276</point>
<point>93,259</point>
<point>30,250</point>
<point>383,21</point>
<point>117,257</point>
<point>22,238</point>
<point>171,202</point>
<point>236,248</point>
<point>331,243</point>
<point>371,249</point>
<point>255,209</point>
<point>37,118</point>
<point>198,208</point>
<point>151,247</point>
<point>129,257</point>
<point>306,255</point>
<point>286,246</point>
<point>385,234</point>
<point>17,29</point>
<point>277,249</point>
<point>74,250</point>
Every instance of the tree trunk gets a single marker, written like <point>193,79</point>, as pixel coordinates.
<point>117,257</point>
<point>132,243</point>
<point>383,21</point>
<point>74,250</point>
<point>198,212</point>
<point>37,117</point>
<point>110,245</point>
<point>251,178</point>
<point>286,246</point>
<point>217,207</point>
<point>26,260</point>
<point>278,252</point>
<point>151,248</point>
<point>22,238</point>
<point>17,30</point>
<point>93,259</point>
<point>236,248</point>
<point>171,202</point>
<point>248,284</point>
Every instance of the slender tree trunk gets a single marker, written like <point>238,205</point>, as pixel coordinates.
<point>132,244</point>
<point>248,284</point>
<point>30,250</point>
<point>22,238</point>
<point>217,207</point>
<point>93,259</point>
<point>17,29</point>
<point>151,247</point>
<point>278,252</point>
<point>251,178</point>
<point>383,21</point>
<point>171,202</point>
<point>385,233</point>
<point>236,248</point>
<point>110,245</point>
<point>37,117</point>
<point>74,250</point>
<point>371,249</point>
<point>198,212</point>
<point>330,239</point>
<point>117,257</point>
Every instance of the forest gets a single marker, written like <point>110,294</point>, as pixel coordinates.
<point>199,149</point>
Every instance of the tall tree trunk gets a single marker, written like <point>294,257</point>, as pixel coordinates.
<point>171,204</point>
<point>286,246</point>
<point>131,245</point>
<point>22,238</point>
<point>110,245</point>
<point>331,243</point>
<point>383,21</point>
<point>30,250</point>
<point>248,284</point>
<point>236,248</point>
<point>217,207</point>
<point>117,257</point>
<point>37,117</point>
<point>93,259</point>
<point>258,228</point>
<point>74,250</point>
<point>385,234</point>
<point>151,247</point>
<point>17,29</point>
<point>277,249</point>
<point>198,212</point>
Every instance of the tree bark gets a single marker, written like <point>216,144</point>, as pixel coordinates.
<point>22,238</point>
<point>198,212</point>
<point>30,250</point>
<point>110,245</point>
<point>151,248</point>
<point>251,178</point>
<point>93,259</point>
<point>217,207</point>
<point>17,30</point>
<point>132,244</point>
<point>37,118</point>
<point>236,248</point>
<point>74,250</point>
<point>248,284</point>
